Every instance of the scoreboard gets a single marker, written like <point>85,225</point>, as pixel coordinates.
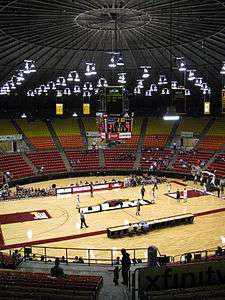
<point>113,128</point>
<point>114,100</point>
<point>115,125</point>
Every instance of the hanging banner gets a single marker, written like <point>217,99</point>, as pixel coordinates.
<point>206,108</point>
<point>223,101</point>
<point>206,104</point>
<point>59,109</point>
<point>86,108</point>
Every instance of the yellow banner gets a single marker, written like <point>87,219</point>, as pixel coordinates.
<point>223,101</point>
<point>86,108</point>
<point>59,109</point>
<point>206,108</point>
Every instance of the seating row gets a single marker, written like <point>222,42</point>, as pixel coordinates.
<point>42,286</point>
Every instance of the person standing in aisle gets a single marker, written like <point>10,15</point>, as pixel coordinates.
<point>125,266</point>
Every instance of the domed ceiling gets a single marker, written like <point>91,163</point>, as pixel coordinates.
<point>62,35</point>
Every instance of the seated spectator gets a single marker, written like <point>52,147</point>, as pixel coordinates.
<point>76,259</point>
<point>17,257</point>
<point>81,261</point>
<point>131,228</point>
<point>57,271</point>
<point>34,258</point>
<point>219,251</point>
<point>42,258</point>
<point>188,257</point>
<point>63,260</point>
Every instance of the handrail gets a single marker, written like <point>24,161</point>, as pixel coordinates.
<point>89,257</point>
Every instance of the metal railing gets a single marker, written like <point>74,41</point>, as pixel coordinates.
<point>89,256</point>
<point>106,256</point>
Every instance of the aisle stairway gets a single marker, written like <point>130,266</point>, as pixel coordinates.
<point>59,147</point>
<point>101,158</point>
<point>83,133</point>
<point>29,162</point>
<point>172,133</point>
<point>140,144</point>
<point>206,129</point>
<point>20,131</point>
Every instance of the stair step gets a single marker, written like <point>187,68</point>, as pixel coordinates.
<point>140,144</point>
<point>59,147</point>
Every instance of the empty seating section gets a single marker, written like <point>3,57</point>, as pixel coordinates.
<point>135,135</point>
<point>212,143</point>
<point>218,165</point>
<point>15,164</point>
<point>90,124</point>
<point>185,161</point>
<point>157,132</point>
<point>190,124</point>
<point>51,161</point>
<point>68,132</point>
<point>7,128</point>
<point>27,285</point>
<point>158,157</point>
<point>215,137</point>
<point>82,160</point>
<point>119,158</point>
<point>38,134</point>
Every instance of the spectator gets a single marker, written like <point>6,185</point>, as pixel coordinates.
<point>42,258</point>
<point>116,275</point>
<point>76,259</point>
<point>63,260</point>
<point>117,261</point>
<point>219,251</point>
<point>188,257</point>
<point>81,261</point>
<point>16,257</point>
<point>57,271</point>
<point>125,266</point>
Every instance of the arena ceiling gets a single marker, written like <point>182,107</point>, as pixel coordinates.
<point>61,35</point>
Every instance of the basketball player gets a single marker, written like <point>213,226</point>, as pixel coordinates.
<point>78,201</point>
<point>155,186</point>
<point>153,196</point>
<point>185,194</point>
<point>142,192</point>
<point>138,208</point>
<point>178,196</point>
<point>91,189</point>
<point>169,187</point>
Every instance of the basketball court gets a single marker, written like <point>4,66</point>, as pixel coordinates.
<point>55,221</point>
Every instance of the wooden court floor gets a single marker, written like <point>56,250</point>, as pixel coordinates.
<point>207,231</point>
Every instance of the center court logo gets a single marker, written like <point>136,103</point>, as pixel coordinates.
<point>39,215</point>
